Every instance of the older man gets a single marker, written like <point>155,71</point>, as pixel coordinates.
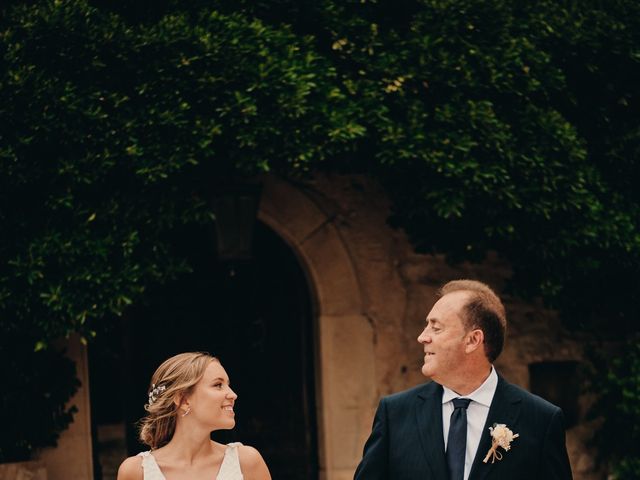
<point>468,423</point>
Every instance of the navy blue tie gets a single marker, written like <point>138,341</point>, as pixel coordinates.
<point>457,439</point>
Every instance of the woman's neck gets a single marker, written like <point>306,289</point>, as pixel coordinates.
<point>188,444</point>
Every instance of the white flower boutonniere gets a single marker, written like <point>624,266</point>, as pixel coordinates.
<point>501,436</point>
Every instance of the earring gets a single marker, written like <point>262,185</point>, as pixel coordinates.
<point>186,412</point>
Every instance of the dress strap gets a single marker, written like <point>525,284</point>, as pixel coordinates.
<point>230,468</point>
<point>150,466</point>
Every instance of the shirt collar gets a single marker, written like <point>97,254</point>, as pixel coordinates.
<point>483,394</point>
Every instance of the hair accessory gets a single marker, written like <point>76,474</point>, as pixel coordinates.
<point>186,412</point>
<point>155,393</point>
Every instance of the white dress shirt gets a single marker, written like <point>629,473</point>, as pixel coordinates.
<point>477,414</point>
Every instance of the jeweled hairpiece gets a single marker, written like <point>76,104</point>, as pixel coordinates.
<point>155,393</point>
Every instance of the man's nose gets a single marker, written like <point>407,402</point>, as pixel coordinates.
<point>424,337</point>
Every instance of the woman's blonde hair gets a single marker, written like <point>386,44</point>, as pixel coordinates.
<point>173,380</point>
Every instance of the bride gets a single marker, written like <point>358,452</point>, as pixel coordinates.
<point>190,397</point>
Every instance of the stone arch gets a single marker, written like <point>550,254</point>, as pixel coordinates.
<point>344,362</point>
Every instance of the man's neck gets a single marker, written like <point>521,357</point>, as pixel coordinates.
<point>471,380</point>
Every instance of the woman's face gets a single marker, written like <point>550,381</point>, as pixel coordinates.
<point>212,399</point>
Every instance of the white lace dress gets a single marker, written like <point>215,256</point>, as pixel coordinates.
<point>229,470</point>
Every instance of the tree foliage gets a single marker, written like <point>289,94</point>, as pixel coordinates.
<point>618,390</point>
<point>501,126</point>
<point>111,137</point>
<point>493,125</point>
<point>36,388</point>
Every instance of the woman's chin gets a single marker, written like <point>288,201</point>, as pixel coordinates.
<point>229,424</point>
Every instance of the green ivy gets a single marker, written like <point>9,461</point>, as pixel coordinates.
<point>616,383</point>
<point>494,126</point>
<point>111,137</point>
<point>36,388</point>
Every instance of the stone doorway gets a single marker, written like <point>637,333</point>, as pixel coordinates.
<point>256,317</point>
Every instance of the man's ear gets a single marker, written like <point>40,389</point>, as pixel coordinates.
<point>475,340</point>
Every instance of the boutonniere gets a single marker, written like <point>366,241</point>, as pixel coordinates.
<point>501,436</point>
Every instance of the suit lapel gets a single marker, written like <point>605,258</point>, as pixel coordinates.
<point>505,408</point>
<point>428,410</point>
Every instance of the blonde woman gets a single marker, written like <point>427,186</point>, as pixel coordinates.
<point>190,397</point>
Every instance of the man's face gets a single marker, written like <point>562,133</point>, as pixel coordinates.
<point>443,339</point>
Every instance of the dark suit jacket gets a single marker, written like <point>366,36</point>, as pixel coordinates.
<point>406,441</point>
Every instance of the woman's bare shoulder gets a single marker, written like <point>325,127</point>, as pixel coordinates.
<point>252,464</point>
<point>131,469</point>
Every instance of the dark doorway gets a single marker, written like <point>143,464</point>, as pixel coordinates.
<point>256,317</point>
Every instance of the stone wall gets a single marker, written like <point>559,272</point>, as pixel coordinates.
<point>23,471</point>
<point>72,458</point>
<point>371,293</point>
<point>398,287</point>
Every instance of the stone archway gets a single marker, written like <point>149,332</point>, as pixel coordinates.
<point>344,342</point>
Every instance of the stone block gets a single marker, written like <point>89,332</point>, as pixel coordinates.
<point>73,457</point>
<point>341,474</point>
<point>23,471</point>
<point>331,269</point>
<point>349,364</point>
<point>288,210</point>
